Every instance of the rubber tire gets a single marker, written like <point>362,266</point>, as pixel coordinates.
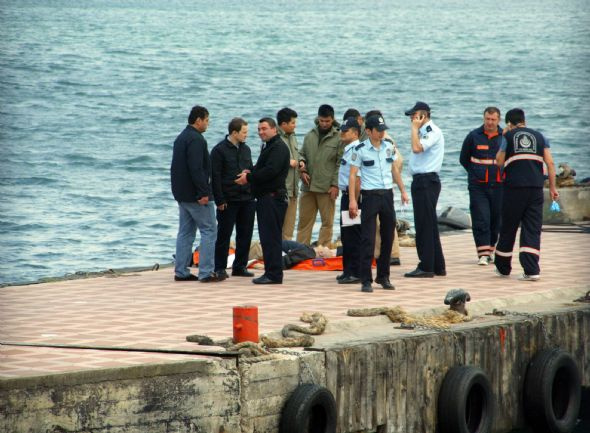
<point>310,409</point>
<point>552,392</point>
<point>465,401</point>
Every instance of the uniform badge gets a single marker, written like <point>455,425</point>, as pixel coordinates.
<point>525,142</point>
<point>353,157</point>
<point>388,153</point>
<point>428,128</point>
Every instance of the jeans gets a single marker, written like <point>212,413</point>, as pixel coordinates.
<point>191,217</point>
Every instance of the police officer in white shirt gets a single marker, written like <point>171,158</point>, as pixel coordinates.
<point>428,147</point>
<point>374,158</point>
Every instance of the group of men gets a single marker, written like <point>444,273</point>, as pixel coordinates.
<point>359,161</point>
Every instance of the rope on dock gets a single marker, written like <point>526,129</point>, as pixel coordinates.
<point>399,315</point>
<point>256,352</point>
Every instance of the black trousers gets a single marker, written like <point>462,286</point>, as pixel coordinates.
<point>240,214</point>
<point>524,207</point>
<point>425,191</point>
<point>270,212</point>
<point>351,243</point>
<point>485,205</point>
<point>375,203</point>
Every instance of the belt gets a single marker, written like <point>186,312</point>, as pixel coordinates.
<point>375,191</point>
<point>274,194</point>
<point>432,173</point>
<point>344,191</point>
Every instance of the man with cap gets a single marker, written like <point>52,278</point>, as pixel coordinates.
<point>374,159</point>
<point>349,235</point>
<point>428,147</point>
<point>523,153</point>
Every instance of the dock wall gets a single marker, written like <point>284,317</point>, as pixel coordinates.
<point>384,385</point>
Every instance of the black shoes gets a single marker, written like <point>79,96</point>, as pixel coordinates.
<point>241,273</point>
<point>385,283</point>
<point>221,275</point>
<point>341,277</point>
<point>419,273</point>
<point>349,280</point>
<point>213,278</point>
<point>395,261</point>
<point>191,277</point>
<point>265,280</point>
<point>366,287</point>
<point>442,273</point>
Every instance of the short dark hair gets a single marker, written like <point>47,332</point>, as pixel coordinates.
<point>326,110</point>
<point>284,115</point>
<point>236,124</point>
<point>492,110</point>
<point>351,112</point>
<point>268,120</point>
<point>373,113</point>
<point>197,112</point>
<point>515,116</point>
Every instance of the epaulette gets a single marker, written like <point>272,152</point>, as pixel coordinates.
<point>360,146</point>
<point>389,140</point>
<point>428,128</point>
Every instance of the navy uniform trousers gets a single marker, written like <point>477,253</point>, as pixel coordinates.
<point>376,202</point>
<point>524,207</point>
<point>351,242</point>
<point>240,214</point>
<point>485,205</point>
<point>425,191</point>
<point>270,213</point>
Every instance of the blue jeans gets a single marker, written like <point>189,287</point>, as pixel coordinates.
<point>191,217</point>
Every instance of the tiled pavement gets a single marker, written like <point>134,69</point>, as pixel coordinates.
<point>151,310</point>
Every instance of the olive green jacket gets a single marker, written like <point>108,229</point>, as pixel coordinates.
<point>292,182</point>
<point>322,159</point>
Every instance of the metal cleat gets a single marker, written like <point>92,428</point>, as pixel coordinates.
<point>457,298</point>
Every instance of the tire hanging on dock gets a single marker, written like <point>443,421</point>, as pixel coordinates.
<point>552,392</point>
<point>465,401</point>
<point>310,409</point>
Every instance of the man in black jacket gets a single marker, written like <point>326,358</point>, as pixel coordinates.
<point>235,204</point>
<point>190,175</point>
<point>268,186</point>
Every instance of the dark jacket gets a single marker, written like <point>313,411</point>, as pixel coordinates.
<point>227,162</point>
<point>524,161</point>
<point>270,172</point>
<point>190,171</point>
<point>478,156</point>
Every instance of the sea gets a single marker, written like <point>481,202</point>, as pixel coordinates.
<point>93,94</point>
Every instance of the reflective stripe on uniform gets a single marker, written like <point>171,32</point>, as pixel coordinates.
<point>485,247</point>
<point>529,250</point>
<point>483,161</point>
<point>530,157</point>
<point>503,254</point>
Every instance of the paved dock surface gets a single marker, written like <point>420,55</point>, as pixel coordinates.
<point>151,310</point>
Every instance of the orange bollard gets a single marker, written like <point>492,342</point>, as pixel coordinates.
<point>246,323</point>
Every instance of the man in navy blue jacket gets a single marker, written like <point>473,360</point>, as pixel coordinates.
<point>485,178</point>
<point>190,174</point>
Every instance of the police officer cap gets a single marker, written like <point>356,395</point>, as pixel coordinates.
<point>418,106</point>
<point>376,122</point>
<point>350,122</point>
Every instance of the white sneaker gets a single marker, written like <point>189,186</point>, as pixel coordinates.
<point>500,274</point>
<point>525,277</point>
<point>491,258</point>
<point>483,261</point>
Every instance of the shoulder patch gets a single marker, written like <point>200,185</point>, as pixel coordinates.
<point>389,140</point>
<point>360,146</point>
<point>428,128</point>
<point>354,156</point>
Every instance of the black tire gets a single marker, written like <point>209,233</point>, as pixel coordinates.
<point>310,409</point>
<point>552,392</point>
<point>465,402</point>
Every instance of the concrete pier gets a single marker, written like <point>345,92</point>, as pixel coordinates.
<point>384,379</point>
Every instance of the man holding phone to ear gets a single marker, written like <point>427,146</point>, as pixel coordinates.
<point>428,147</point>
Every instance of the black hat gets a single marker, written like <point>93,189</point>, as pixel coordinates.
<point>376,122</point>
<point>418,106</point>
<point>350,122</point>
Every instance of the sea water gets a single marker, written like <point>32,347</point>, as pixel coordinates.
<point>93,93</point>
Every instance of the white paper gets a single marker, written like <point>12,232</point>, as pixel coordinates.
<point>347,221</point>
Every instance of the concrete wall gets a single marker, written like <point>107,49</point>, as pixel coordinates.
<point>389,385</point>
<point>574,203</point>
